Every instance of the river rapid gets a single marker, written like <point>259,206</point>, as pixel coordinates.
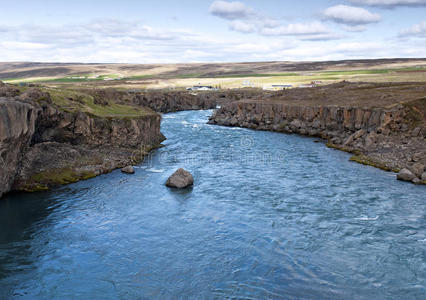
<point>270,216</point>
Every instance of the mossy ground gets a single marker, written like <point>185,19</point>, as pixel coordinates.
<point>342,148</point>
<point>75,101</point>
<point>361,158</point>
<point>365,160</point>
<point>44,180</point>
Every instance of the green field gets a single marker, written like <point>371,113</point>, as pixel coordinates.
<point>178,80</point>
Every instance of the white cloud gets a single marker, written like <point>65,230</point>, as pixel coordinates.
<point>360,48</point>
<point>245,19</point>
<point>390,3</point>
<point>297,29</point>
<point>136,42</point>
<point>417,30</point>
<point>354,28</point>
<point>350,15</point>
<point>230,10</point>
<point>13,45</point>
<point>353,50</point>
<point>127,42</point>
<point>242,26</point>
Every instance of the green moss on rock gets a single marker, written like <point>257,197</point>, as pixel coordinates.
<point>343,148</point>
<point>44,180</point>
<point>361,158</point>
<point>365,160</point>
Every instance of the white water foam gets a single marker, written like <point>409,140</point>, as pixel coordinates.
<point>367,218</point>
<point>155,170</point>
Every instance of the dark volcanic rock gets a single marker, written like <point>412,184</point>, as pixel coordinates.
<point>180,179</point>
<point>17,126</point>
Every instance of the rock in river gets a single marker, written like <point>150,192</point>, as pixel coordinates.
<point>405,175</point>
<point>180,179</point>
<point>128,170</point>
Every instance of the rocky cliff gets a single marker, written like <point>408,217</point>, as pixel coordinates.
<point>391,136</point>
<point>43,144</point>
<point>172,101</point>
<point>175,101</point>
<point>17,126</point>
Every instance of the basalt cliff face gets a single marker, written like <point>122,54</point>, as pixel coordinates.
<point>165,102</point>
<point>391,136</point>
<point>17,126</point>
<point>42,145</point>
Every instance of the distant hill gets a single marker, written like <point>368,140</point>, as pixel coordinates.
<point>19,70</point>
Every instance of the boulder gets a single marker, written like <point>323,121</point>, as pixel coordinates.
<point>128,170</point>
<point>424,176</point>
<point>405,175</point>
<point>180,179</point>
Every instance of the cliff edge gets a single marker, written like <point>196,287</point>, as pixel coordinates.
<point>50,137</point>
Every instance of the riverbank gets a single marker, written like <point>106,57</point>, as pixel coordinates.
<point>383,125</point>
<point>50,137</point>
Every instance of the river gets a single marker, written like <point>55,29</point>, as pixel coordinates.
<point>270,216</point>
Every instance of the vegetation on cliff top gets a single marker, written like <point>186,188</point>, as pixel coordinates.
<point>82,101</point>
<point>73,101</point>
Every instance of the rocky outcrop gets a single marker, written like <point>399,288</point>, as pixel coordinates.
<point>405,175</point>
<point>42,145</point>
<point>383,137</point>
<point>128,170</point>
<point>180,179</point>
<point>67,147</point>
<point>17,126</point>
<point>165,102</point>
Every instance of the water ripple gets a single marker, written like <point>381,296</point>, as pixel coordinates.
<point>270,216</point>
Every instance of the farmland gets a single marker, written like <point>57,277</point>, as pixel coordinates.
<point>226,75</point>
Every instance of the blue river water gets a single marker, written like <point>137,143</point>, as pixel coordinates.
<point>271,216</point>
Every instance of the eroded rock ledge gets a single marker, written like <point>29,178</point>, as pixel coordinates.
<point>43,145</point>
<point>383,126</point>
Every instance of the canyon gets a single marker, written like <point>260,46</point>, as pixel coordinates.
<point>51,137</point>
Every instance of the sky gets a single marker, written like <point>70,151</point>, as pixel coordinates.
<point>170,31</point>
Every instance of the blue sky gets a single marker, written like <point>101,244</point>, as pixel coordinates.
<point>206,31</point>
